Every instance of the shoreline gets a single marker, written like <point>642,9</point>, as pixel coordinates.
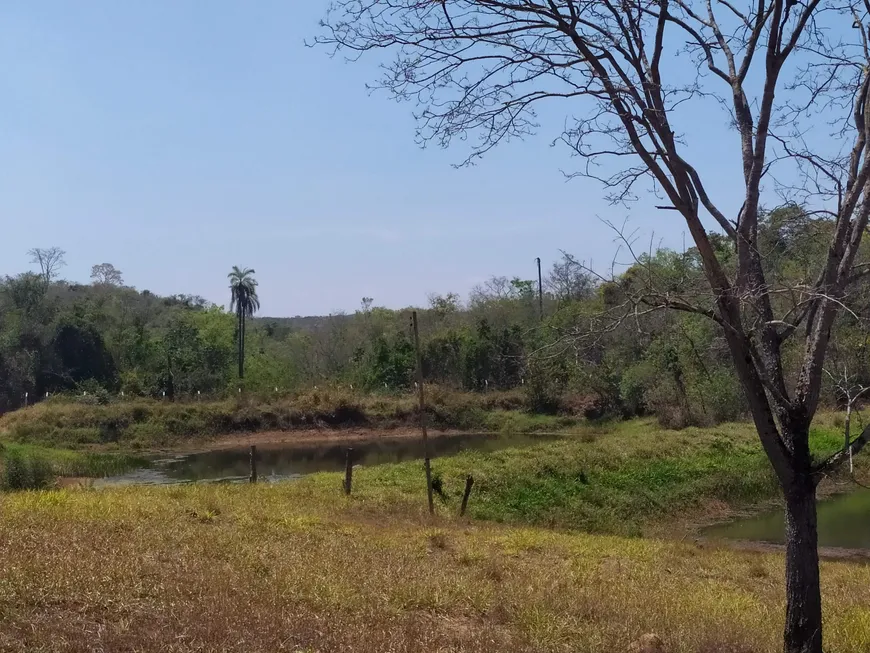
<point>834,553</point>
<point>310,435</point>
<point>326,436</point>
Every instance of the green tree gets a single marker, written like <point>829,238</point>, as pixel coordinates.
<point>244,300</point>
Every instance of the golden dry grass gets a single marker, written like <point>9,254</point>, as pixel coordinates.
<point>299,567</point>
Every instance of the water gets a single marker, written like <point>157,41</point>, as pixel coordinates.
<point>290,460</point>
<point>844,521</point>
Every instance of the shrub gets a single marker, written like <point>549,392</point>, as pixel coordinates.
<point>146,434</point>
<point>25,472</point>
<point>723,399</point>
<point>545,386</point>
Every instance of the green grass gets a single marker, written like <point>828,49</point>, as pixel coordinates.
<point>38,466</point>
<point>625,478</point>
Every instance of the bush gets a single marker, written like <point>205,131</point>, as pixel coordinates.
<point>25,472</point>
<point>545,386</point>
<point>724,401</point>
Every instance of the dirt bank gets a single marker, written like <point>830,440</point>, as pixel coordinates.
<point>825,552</point>
<point>308,436</point>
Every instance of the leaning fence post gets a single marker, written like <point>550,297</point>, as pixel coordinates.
<point>348,470</point>
<point>469,482</point>
<point>253,463</point>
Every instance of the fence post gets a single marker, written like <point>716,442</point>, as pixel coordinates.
<point>253,463</point>
<point>469,482</point>
<point>348,470</point>
<point>426,462</point>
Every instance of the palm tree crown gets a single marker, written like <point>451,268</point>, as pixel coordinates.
<point>243,288</point>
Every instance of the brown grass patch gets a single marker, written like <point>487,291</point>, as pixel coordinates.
<point>271,568</point>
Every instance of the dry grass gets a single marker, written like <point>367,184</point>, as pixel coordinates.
<point>298,567</point>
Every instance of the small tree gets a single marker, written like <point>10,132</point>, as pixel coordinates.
<point>106,274</point>
<point>569,280</point>
<point>783,70</point>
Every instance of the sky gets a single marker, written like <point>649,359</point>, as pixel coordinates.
<point>177,139</point>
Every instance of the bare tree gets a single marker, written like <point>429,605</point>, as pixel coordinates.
<point>850,390</point>
<point>49,260</point>
<point>494,288</point>
<point>779,68</point>
<point>569,279</point>
<point>106,274</point>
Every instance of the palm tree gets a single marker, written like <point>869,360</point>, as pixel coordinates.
<point>244,300</point>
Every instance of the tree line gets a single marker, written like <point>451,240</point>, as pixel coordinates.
<point>105,337</point>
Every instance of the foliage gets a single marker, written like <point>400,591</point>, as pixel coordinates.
<point>106,339</point>
<point>106,274</point>
<point>24,472</point>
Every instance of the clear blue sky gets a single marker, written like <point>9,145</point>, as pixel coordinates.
<point>176,139</point>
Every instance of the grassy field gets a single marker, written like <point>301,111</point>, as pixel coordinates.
<point>628,478</point>
<point>148,423</point>
<point>299,567</point>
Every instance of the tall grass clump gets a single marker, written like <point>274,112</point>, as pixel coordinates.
<point>23,471</point>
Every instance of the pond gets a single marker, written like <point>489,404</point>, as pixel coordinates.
<point>844,521</point>
<point>288,460</point>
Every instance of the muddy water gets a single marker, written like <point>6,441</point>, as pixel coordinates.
<point>844,522</point>
<point>293,460</point>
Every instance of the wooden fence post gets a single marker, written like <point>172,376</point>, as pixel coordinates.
<point>426,462</point>
<point>348,470</point>
<point>253,463</point>
<point>469,482</point>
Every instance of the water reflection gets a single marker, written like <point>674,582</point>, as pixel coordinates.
<point>844,521</point>
<point>292,460</point>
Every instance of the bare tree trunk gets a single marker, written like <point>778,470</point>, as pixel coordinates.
<point>242,359</point>
<point>803,614</point>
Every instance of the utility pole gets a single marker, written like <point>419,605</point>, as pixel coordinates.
<point>423,412</point>
<point>540,291</point>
